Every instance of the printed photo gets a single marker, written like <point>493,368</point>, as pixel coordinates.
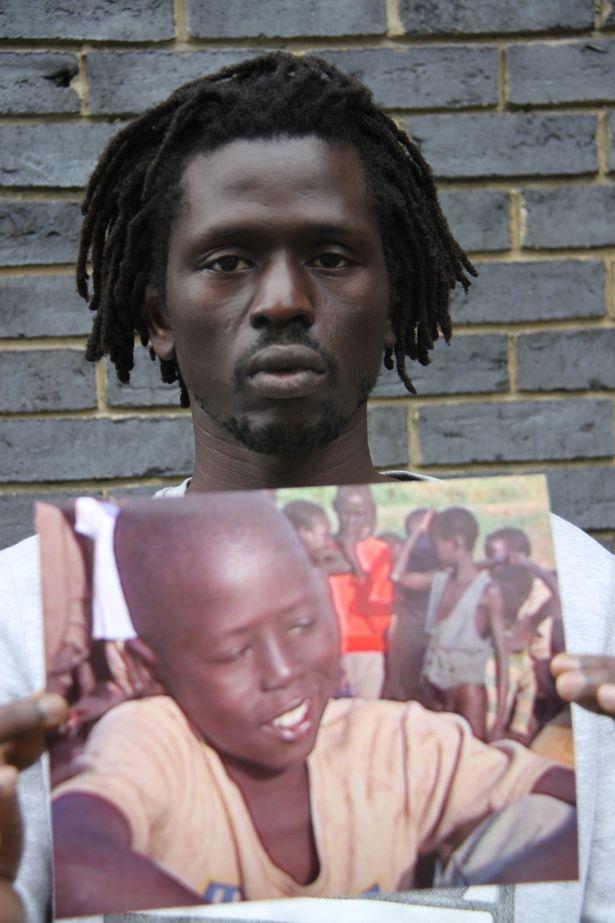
<point>316,692</point>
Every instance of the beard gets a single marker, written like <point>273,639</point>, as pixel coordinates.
<point>304,435</point>
<point>291,438</point>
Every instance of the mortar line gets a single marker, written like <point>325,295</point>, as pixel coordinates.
<point>512,363</point>
<point>100,371</point>
<point>180,22</point>
<point>502,79</point>
<point>395,27</point>
<point>414,445</point>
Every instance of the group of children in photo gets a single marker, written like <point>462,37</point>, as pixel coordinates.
<point>429,617</point>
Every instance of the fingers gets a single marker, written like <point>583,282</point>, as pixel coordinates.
<point>11,908</point>
<point>10,823</point>
<point>24,724</point>
<point>586,679</point>
<point>39,712</point>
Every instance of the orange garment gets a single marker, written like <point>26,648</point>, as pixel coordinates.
<point>388,780</point>
<point>364,605</point>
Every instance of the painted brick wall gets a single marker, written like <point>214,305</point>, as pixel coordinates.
<point>512,105</point>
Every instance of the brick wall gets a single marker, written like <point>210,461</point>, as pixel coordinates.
<point>510,102</point>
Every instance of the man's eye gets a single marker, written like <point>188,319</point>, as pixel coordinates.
<point>229,263</point>
<point>330,260</point>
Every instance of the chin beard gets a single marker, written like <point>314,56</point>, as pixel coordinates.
<point>285,438</point>
<point>293,438</point>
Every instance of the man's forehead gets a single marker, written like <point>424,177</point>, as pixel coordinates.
<point>263,170</point>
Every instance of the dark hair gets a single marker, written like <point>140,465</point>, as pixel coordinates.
<point>515,539</point>
<point>455,522</point>
<point>303,513</point>
<point>134,194</point>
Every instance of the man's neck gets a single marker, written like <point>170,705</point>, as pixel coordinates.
<point>223,463</point>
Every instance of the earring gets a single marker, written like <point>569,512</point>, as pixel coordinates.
<point>388,359</point>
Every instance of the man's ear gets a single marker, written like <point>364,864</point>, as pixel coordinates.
<point>160,333</point>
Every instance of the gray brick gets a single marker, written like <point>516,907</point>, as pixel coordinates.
<point>424,77</point>
<point>469,365</point>
<point>38,232</point>
<point>585,496</point>
<point>477,217</point>
<point>451,17</point>
<point>546,73</point>
<point>42,306</point>
<point>520,292</point>
<point>105,20</point>
<point>611,131</point>
<point>522,431</point>
<point>35,83</point>
<point>570,217</point>
<point>567,360</point>
<point>129,82</point>
<point>285,18</point>
<point>17,512</point>
<point>51,155</point>
<point>42,380</point>
<point>388,436</point>
<point>469,144</point>
<point>145,388</point>
<point>68,449</point>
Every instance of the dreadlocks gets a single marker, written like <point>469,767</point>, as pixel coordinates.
<point>134,195</point>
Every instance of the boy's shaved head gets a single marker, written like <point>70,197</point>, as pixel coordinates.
<point>205,541</point>
<point>239,622</point>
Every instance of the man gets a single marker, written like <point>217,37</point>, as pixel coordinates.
<point>362,592</point>
<point>152,817</point>
<point>270,232</point>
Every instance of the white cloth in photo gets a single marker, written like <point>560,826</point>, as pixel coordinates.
<point>111,620</point>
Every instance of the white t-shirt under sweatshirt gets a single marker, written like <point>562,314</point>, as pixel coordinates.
<point>587,581</point>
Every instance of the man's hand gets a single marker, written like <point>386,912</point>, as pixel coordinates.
<point>587,679</point>
<point>24,725</point>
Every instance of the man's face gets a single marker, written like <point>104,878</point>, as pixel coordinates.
<point>261,660</point>
<point>356,513</point>
<point>277,291</point>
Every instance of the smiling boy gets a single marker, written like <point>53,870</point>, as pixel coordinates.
<point>247,781</point>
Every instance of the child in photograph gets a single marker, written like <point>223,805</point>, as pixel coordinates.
<point>363,593</point>
<point>411,575</point>
<point>517,721</point>
<point>465,623</point>
<point>540,624</point>
<point>245,780</point>
<point>313,528</point>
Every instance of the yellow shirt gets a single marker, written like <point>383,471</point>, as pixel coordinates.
<point>387,779</point>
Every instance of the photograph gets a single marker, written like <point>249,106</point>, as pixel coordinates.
<point>326,691</point>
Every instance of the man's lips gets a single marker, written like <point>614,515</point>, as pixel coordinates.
<point>285,358</point>
<point>285,371</point>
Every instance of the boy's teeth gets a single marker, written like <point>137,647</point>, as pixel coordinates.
<point>294,716</point>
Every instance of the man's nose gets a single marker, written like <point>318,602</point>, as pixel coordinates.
<point>278,666</point>
<point>284,295</point>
